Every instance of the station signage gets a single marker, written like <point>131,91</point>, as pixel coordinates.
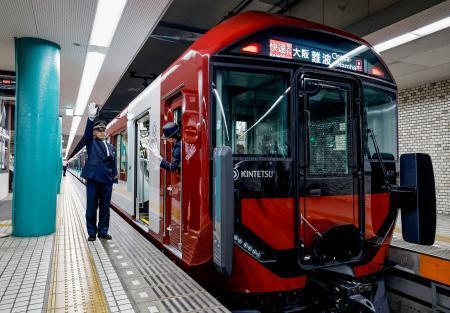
<point>287,50</point>
<point>7,83</point>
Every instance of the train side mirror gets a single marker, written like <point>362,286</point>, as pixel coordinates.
<point>419,213</point>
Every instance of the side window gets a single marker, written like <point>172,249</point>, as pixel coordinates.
<point>381,112</point>
<point>177,116</point>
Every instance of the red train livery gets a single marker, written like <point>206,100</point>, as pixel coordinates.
<point>289,168</point>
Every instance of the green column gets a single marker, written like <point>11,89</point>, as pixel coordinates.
<point>59,157</point>
<point>36,137</point>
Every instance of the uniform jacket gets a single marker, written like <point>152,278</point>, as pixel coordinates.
<point>99,167</point>
<point>176,158</point>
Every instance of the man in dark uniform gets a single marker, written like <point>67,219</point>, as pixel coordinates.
<point>100,172</point>
<point>171,133</point>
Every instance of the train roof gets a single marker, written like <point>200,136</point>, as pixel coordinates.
<point>251,22</point>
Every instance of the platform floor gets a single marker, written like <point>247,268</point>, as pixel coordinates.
<point>64,272</point>
<point>441,247</point>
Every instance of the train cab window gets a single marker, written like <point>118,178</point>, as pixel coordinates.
<point>328,131</point>
<point>252,112</point>
<point>381,112</point>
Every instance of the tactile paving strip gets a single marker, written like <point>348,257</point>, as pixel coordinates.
<point>5,228</point>
<point>153,282</point>
<point>116,296</point>
<point>74,284</point>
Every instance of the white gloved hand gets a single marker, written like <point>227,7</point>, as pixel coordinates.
<point>92,110</point>
<point>155,152</point>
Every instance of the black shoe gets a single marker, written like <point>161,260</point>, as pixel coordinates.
<point>106,237</point>
<point>91,238</point>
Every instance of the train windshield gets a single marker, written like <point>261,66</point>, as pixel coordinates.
<point>381,112</point>
<point>252,112</point>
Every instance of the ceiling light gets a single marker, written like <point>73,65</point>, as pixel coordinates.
<point>394,42</point>
<point>69,112</point>
<point>92,66</point>
<point>433,27</point>
<point>107,18</point>
<point>413,35</point>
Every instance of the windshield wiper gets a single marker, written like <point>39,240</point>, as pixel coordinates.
<point>379,157</point>
<point>221,110</point>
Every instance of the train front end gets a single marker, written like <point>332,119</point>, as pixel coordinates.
<point>305,163</point>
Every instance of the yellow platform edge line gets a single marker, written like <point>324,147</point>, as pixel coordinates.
<point>98,304</point>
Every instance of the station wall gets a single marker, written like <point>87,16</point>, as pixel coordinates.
<point>424,126</point>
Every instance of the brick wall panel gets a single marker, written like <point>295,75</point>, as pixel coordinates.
<point>423,122</point>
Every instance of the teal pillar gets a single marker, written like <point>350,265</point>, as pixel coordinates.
<point>36,137</point>
<point>59,157</point>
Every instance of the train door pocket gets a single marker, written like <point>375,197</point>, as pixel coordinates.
<point>173,187</point>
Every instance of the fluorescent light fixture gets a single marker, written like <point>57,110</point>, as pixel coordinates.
<point>107,18</point>
<point>69,112</point>
<point>433,27</point>
<point>92,66</point>
<point>394,42</point>
<point>413,35</point>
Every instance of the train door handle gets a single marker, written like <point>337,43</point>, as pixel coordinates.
<point>315,192</point>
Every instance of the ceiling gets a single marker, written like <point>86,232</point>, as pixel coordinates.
<point>423,60</point>
<point>68,23</point>
<point>152,34</point>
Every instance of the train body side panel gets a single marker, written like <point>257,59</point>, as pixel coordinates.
<point>188,77</point>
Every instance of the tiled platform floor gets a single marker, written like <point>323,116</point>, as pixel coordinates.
<point>24,268</point>
<point>441,247</point>
<point>152,282</point>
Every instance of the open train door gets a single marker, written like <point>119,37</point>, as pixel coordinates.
<point>172,185</point>
<point>331,197</point>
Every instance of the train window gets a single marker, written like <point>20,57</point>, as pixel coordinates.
<point>121,155</point>
<point>328,131</point>
<point>381,112</point>
<point>142,172</point>
<point>252,112</point>
<point>4,138</point>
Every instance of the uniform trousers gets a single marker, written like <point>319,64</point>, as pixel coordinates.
<point>98,196</point>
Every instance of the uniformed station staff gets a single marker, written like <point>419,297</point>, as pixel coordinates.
<point>100,172</point>
<point>171,133</point>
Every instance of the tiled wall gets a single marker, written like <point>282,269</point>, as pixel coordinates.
<point>424,126</point>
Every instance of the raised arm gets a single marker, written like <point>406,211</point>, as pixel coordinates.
<point>88,131</point>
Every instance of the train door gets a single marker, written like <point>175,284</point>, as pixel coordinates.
<point>173,188</point>
<point>330,209</point>
<point>142,172</point>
